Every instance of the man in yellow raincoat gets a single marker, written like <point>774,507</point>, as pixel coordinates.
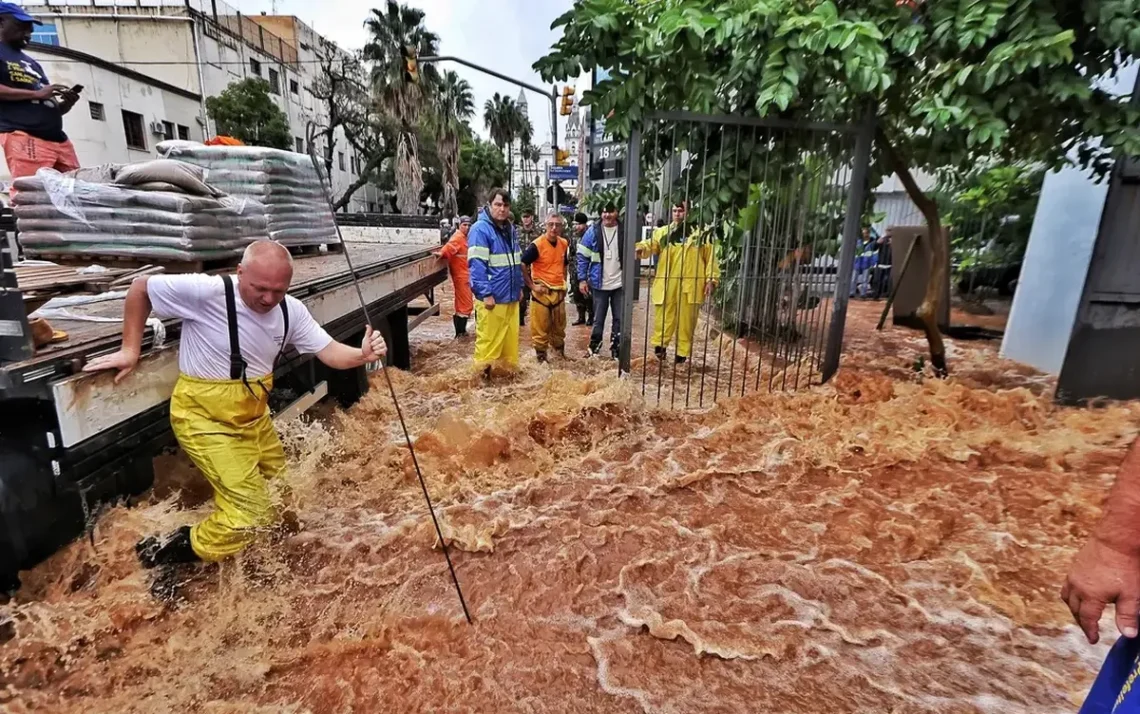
<point>687,272</point>
<point>233,331</point>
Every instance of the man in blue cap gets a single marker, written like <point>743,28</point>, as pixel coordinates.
<point>31,107</point>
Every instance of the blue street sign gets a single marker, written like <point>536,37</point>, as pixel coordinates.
<point>562,173</point>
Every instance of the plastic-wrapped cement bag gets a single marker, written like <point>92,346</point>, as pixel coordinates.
<point>188,177</point>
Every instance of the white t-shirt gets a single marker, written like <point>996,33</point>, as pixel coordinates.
<point>200,302</point>
<point>611,261</point>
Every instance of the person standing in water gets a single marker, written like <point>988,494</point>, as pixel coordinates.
<point>233,331</point>
<point>582,301</point>
<point>454,253</point>
<point>544,270</point>
<point>528,231</point>
<point>497,282</point>
<point>600,260</point>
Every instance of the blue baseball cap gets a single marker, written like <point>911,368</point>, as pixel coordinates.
<point>11,8</point>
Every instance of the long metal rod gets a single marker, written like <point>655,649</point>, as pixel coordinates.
<point>735,119</point>
<point>384,368</point>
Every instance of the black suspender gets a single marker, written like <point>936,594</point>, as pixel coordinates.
<point>238,364</point>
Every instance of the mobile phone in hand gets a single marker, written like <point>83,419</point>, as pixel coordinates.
<point>77,89</point>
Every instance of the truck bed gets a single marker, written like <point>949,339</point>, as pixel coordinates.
<point>310,274</point>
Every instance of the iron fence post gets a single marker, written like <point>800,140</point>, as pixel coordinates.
<point>630,264</point>
<point>851,230</point>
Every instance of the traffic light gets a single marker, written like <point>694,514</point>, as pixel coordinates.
<point>567,101</point>
<point>411,65</point>
<point>562,157</point>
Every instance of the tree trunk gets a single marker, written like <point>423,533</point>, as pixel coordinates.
<point>511,167</point>
<point>939,251</point>
<point>363,178</point>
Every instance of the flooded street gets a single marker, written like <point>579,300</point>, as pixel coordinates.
<point>882,543</point>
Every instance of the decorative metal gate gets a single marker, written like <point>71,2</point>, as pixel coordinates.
<point>745,285</point>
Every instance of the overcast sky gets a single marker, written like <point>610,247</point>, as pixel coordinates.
<point>504,35</point>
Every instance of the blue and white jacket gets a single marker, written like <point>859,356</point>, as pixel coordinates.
<point>495,260</point>
<point>592,254</point>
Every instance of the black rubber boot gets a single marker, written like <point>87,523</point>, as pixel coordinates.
<point>175,548</point>
<point>660,352</point>
<point>541,356</point>
<point>595,348</point>
<point>460,323</point>
<point>614,352</point>
<point>680,360</point>
<point>581,317</point>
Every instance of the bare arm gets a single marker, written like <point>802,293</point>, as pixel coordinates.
<point>136,310</point>
<point>341,356</point>
<point>527,278</point>
<point>12,94</point>
<point>1107,568</point>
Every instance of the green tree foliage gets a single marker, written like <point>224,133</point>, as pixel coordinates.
<point>453,105</point>
<point>392,29</point>
<point>525,201</point>
<point>505,123</point>
<point>481,168</point>
<point>990,212</point>
<point>597,199</point>
<point>245,111</point>
<point>951,84</point>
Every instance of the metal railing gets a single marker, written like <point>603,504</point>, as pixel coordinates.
<point>750,281</point>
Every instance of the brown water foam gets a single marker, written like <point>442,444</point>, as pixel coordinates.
<point>881,544</point>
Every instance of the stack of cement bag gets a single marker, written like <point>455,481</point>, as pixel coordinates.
<point>284,182</point>
<point>158,210</point>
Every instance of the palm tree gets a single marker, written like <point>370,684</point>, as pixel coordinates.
<point>393,29</point>
<point>499,116</point>
<point>454,105</point>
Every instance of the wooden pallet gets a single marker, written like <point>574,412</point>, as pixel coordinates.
<point>129,263</point>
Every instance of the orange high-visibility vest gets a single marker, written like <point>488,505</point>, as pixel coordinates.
<point>550,268</point>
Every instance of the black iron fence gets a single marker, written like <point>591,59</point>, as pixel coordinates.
<point>745,287</point>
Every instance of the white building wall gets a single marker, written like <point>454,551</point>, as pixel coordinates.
<point>139,36</point>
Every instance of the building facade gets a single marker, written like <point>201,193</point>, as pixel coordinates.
<point>169,54</point>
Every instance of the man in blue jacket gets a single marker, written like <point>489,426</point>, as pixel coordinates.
<point>600,258</point>
<point>497,281</point>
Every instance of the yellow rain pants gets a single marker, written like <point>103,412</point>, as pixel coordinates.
<point>496,334</point>
<point>548,321</point>
<point>228,434</point>
<point>675,318</point>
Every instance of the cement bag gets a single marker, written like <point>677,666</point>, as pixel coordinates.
<point>103,173</point>
<point>127,232</point>
<point>67,242</point>
<point>187,177</point>
<point>139,252</point>
<point>216,218</point>
<point>165,147</point>
<point>72,197</point>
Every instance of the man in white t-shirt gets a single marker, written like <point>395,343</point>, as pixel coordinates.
<point>600,272</point>
<point>233,331</point>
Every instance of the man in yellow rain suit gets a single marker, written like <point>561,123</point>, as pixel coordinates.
<point>497,281</point>
<point>233,331</point>
<point>544,270</point>
<point>687,272</point>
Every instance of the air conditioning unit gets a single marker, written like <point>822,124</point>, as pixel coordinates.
<point>157,127</point>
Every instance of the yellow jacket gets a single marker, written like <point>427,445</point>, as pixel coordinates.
<point>691,263</point>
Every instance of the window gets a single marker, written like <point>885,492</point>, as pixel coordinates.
<point>371,207</point>
<point>308,147</point>
<point>183,133</point>
<point>135,130</point>
<point>255,66</point>
<point>274,81</point>
<point>294,87</point>
<point>340,160</point>
<point>46,34</point>
<point>352,163</point>
<point>97,112</point>
<point>167,130</point>
<point>300,144</point>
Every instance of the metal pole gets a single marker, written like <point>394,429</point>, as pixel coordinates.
<point>384,368</point>
<point>630,263</point>
<point>851,224</point>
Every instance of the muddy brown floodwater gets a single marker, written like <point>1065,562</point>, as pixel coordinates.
<point>884,543</point>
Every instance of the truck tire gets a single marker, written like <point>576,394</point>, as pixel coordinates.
<point>35,519</point>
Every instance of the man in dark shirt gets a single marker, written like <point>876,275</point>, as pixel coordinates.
<point>31,107</point>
